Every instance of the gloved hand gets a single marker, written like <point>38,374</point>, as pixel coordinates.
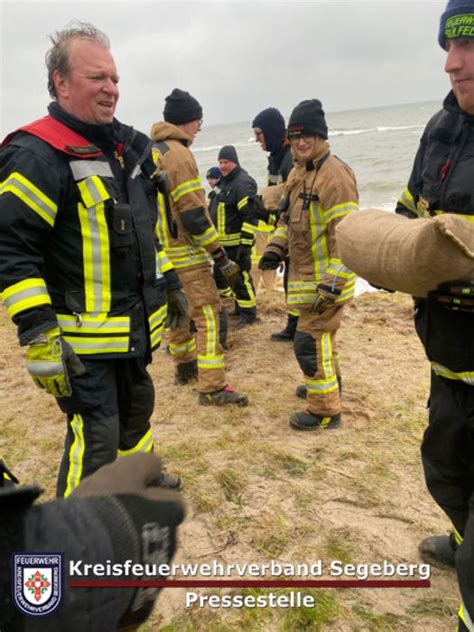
<point>140,518</point>
<point>244,258</point>
<point>230,269</point>
<point>325,298</point>
<point>178,310</point>
<point>269,261</point>
<point>50,361</point>
<point>455,295</point>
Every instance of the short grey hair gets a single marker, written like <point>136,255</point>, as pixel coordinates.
<point>57,57</point>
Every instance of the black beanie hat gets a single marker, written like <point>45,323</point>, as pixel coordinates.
<point>308,118</point>
<point>272,124</point>
<point>181,108</point>
<point>228,153</point>
<point>456,21</point>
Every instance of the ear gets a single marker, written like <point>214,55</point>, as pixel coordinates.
<point>61,84</point>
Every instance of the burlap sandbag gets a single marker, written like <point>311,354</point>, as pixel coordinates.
<point>271,196</point>
<point>408,255</point>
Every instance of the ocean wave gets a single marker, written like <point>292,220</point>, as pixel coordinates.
<point>366,130</point>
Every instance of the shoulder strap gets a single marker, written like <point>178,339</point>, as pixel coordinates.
<point>58,136</point>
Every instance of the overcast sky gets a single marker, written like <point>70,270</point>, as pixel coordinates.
<point>236,58</point>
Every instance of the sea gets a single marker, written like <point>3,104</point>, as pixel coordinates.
<point>378,143</point>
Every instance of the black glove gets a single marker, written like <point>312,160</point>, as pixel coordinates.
<point>455,295</point>
<point>244,258</point>
<point>325,298</point>
<point>269,261</point>
<point>230,269</point>
<point>178,310</point>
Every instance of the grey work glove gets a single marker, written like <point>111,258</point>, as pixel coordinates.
<point>455,295</point>
<point>178,310</point>
<point>140,518</point>
<point>325,298</point>
<point>230,269</point>
<point>51,361</point>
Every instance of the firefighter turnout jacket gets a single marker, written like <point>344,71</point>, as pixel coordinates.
<point>77,240</point>
<point>232,209</point>
<point>441,182</point>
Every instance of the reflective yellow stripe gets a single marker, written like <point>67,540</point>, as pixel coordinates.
<point>319,248</point>
<point>221,219</point>
<point>183,348</point>
<point>186,187</point>
<point>95,236</point>
<point>157,322</point>
<point>76,455</point>
<point>243,202</point>
<point>94,324</point>
<point>468,218</point>
<point>463,376</point>
<point>194,257</point>
<point>249,228</point>
<point>163,264</point>
<point>339,210</point>
<point>161,227</point>
<point>82,345</point>
<point>325,421</point>
<point>282,232</point>
<point>144,445</point>
<point>24,295</point>
<point>326,353</point>
<point>207,237</point>
<point>321,387</point>
<point>406,199</point>
<point>30,195</point>
<point>465,618</point>
<point>457,536</point>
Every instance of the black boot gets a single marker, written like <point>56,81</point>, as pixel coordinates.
<point>307,420</point>
<point>186,372</point>
<point>438,550</point>
<point>288,333</point>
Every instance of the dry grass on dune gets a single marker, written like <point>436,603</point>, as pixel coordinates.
<point>256,490</point>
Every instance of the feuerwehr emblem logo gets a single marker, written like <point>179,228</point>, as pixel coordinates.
<point>38,582</point>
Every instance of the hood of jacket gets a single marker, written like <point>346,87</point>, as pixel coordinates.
<point>167,131</point>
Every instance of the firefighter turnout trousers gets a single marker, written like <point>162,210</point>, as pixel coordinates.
<point>108,415</point>
<point>244,291</point>
<point>204,308</point>
<point>315,351</point>
<point>448,446</point>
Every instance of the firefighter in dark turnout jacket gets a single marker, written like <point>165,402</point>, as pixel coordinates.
<point>233,213</point>
<point>82,274</point>
<point>270,132</point>
<point>441,182</point>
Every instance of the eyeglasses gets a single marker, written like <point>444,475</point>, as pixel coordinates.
<point>306,138</point>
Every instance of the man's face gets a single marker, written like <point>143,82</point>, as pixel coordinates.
<point>226,166</point>
<point>460,67</point>
<point>303,146</point>
<point>192,128</point>
<point>212,182</point>
<point>89,92</point>
<point>260,138</point>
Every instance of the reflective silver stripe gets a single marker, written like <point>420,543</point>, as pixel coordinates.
<point>32,197</point>
<point>103,346</point>
<point>87,325</point>
<point>84,168</point>
<point>24,294</point>
<point>158,317</point>
<point>94,191</point>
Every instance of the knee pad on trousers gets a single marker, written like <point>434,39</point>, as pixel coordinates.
<point>305,351</point>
